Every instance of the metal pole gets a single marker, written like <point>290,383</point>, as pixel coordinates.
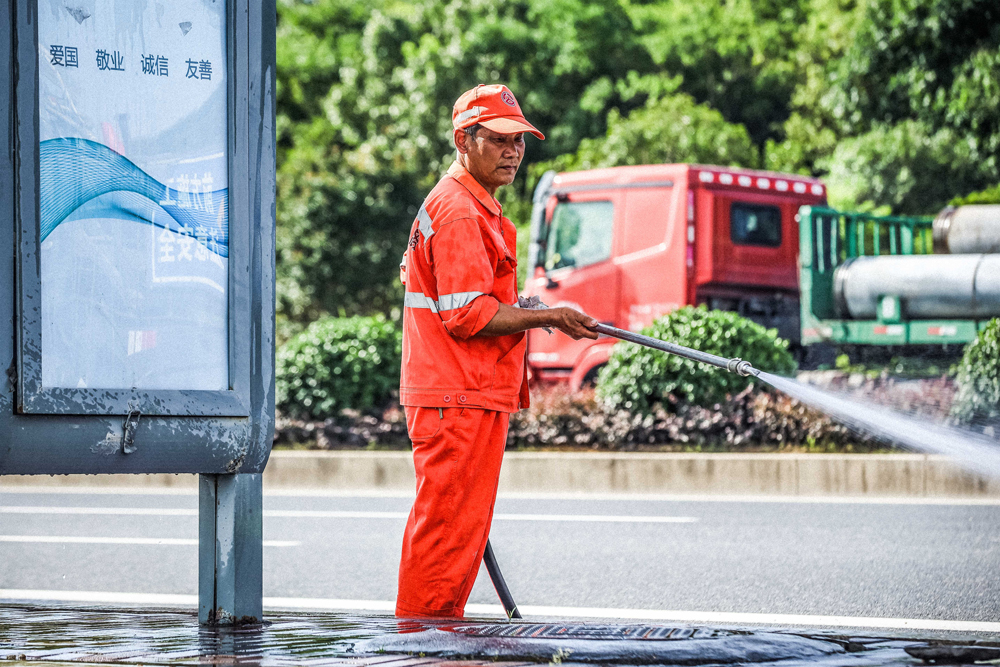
<point>230,549</point>
<point>735,365</point>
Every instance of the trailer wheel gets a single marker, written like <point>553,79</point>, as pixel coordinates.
<point>811,357</point>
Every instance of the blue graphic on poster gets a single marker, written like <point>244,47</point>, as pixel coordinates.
<point>134,204</point>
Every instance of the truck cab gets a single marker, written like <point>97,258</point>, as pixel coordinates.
<point>629,244</point>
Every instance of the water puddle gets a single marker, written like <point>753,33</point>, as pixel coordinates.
<point>64,635</point>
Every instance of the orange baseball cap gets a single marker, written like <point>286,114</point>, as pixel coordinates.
<point>493,107</point>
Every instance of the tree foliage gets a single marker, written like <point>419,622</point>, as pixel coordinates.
<point>929,69</point>
<point>672,128</point>
<point>365,97</point>
<point>893,102</point>
<point>905,167</point>
<point>737,56</point>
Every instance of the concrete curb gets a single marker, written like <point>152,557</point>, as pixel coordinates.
<point>835,475</point>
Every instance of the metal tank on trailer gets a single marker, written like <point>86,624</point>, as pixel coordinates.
<point>874,280</point>
<point>967,229</point>
<point>939,286</point>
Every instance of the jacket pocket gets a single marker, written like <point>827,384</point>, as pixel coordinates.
<point>424,423</point>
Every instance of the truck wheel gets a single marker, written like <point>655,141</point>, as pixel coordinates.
<point>590,379</point>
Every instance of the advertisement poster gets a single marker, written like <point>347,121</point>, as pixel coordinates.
<point>134,211</point>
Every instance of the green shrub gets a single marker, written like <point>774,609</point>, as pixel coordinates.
<point>978,397</point>
<point>338,363</point>
<point>637,378</point>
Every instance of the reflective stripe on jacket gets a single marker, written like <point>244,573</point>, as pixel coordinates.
<point>459,266</point>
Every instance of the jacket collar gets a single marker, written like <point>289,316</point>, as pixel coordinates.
<point>462,175</point>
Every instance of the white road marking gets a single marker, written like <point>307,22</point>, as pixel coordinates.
<point>86,539</point>
<point>350,605</point>
<point>719,498</point>
<point>108,597</point>
<point>394,493</point>
<point>620,518</point>
<point>335,514</point>
<point>111,511</point>
<point>43,489</point>
<point>494,610</point>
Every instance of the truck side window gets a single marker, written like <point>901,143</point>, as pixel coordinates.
<point>754,224</point>
<point>579,234</point>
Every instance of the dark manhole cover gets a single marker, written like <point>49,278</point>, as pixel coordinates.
<point>618,632</point>
<point>601,644</point>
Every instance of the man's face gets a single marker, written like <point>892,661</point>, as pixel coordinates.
<point>492,158</point>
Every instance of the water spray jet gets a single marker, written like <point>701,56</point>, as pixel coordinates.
<point>975,452</point>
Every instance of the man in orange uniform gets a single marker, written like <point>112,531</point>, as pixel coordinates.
<point>464,353</point>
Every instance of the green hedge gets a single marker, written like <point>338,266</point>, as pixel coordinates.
<point>978,381</point>
<point>638,379</point>
<point>338,363</point>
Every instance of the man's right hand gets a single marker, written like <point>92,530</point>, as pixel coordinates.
<point>572,322</point>
<point>509,320</point>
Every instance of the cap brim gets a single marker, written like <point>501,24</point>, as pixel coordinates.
<point>510,126</point>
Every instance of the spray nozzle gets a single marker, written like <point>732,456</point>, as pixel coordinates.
<point>740,367</point>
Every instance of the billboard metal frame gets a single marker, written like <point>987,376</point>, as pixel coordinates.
<point>64,431</point>
<point>224,436</point>
<point>32,397</point>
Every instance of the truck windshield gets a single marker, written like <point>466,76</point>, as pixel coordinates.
<point>579,234</point>
<point>753,224</point>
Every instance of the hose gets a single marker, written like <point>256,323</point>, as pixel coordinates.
<point>499,584</point>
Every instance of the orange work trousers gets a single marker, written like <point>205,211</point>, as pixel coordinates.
<point>457,454</point>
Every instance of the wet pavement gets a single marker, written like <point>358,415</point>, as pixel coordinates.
<point>73,635</point>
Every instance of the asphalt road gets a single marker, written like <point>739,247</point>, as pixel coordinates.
<point>914,561</point>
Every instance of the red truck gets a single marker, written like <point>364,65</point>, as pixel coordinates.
<point>628,244</point>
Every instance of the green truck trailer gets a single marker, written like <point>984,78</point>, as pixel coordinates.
<point>887,280</point>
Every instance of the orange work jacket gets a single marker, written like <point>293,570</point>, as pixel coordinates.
<point>459,266</point>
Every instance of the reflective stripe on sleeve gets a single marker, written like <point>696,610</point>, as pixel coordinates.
<point>446,302</point>
<point>456,300</point>
<point>418,300</point>
<point>425,222</point>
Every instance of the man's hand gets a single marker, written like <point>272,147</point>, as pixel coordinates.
<point>572,322</point>
<point>509,320</point>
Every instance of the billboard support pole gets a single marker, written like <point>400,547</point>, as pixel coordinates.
<point>230,549</point>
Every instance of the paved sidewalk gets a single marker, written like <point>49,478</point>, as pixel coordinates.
<point>69,635</point>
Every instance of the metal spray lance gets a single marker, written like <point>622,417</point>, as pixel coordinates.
<point>734,365</point>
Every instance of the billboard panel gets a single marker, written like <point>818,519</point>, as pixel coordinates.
<point>134,203</point>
